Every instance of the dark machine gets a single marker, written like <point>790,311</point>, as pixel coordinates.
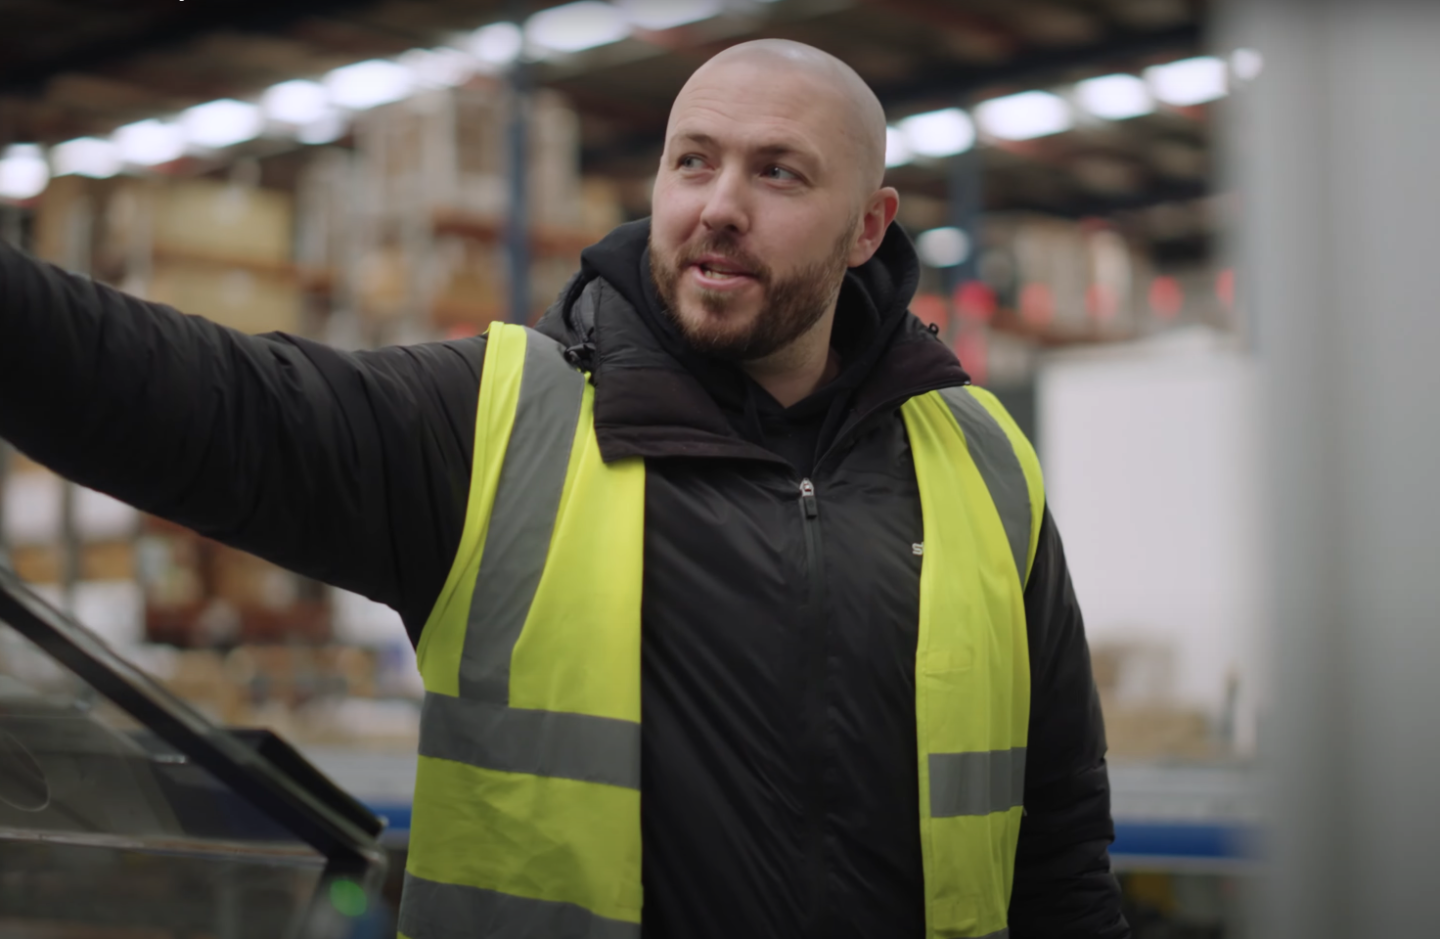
<point>125,813</point>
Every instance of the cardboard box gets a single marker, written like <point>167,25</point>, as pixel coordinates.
<point>555,191</point>
<point>384,283</point>
<point>1158,732</point>
<point>548,277</point>
<point>200,678</point>
<point>224,221</point>
<point>472,276</point>
<point>1136,680</point>
<point>252,301</point>
<point>38,564</point>
<point>481,116</point>
<point>247,582</point>
<point>64,221</point>
<point>45,564</point>
<point>295,674</point>
<point>201,594</point>
<point>602,205</point>
<point>168,566</point>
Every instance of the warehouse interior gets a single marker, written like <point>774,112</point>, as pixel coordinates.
<point>404,171</point>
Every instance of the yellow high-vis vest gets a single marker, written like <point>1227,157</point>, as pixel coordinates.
<point>526,817</point>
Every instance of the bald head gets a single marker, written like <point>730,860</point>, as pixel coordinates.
<point>850,107</point>
<point>769,188</point>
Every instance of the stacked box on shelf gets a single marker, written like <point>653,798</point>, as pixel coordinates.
<point>430,193</point>
<point>1063,279</point>
<point>601,205</point>
<point>101,537</point>
<point>479,146</point>
<point>1143,721</point>
<point>295,689</point>
<point>200,594</point>
<point>210,248</point>
<point>225,251</point>
<point>555,187</point>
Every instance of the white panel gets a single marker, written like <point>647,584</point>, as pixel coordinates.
<point>361,621</point>
<point>32,508</point>
<point>99,517</point>
<point>112,609</point>
<point>1151,470</point>
<point>33,513</point>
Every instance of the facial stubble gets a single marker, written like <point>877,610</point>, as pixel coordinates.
<point>791,308</point>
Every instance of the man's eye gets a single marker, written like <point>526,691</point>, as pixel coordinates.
<point>779,172</point>
<point>690,162</point>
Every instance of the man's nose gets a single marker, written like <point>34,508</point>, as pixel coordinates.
<point>727,208</point>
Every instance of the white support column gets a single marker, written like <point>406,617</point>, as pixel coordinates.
<point>1336,151</point>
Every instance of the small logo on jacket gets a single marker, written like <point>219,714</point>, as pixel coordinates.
<point>917,549</point>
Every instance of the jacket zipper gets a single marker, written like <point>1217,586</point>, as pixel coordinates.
<point>815,705</point>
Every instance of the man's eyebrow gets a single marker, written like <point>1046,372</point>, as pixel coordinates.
<point>769,150</point>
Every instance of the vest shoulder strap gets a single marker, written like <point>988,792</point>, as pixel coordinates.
<point>526,416</point>
<point>1008,464</point>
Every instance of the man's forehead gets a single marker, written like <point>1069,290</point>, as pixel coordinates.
<point>748,132</point>
<point>771,108</point>
<point>815,97</point>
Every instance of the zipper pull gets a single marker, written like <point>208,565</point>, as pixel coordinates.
<point>807,499</point>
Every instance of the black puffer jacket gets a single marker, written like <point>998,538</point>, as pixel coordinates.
<point>779,755</point>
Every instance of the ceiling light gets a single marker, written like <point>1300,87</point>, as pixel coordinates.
<point>576,26</point>
<point>326,128</point>
<point>1115,97</point>
<point>221,123</point>
<point>296,102</point>
<point>943,247</point>
<point>86,156</point>
<point>667,14</point>
<point>1247,64</point>
<point>1025,116</point>
<point>23,172</point>
<point>1188,81</point>
<point>897,149</point>
<point>438,68</point>
<point>150,143</point>
<point>498,44</point>
<point>368,84</point>
<point>939,133</point>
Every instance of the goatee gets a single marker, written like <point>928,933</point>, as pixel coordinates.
<point>792,305</point>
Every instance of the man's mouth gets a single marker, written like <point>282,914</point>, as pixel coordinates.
<point>721,269</point>
<point>721,274</point>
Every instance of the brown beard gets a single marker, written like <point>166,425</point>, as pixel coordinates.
<point>792,306</point>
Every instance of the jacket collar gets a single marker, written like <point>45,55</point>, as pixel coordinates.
<point>650,403</point>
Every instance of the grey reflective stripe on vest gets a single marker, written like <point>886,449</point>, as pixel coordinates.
<point>446,911</point>
<point>527,500</point>
<point>976,783</point>
<point>994,456</point>
<point>479,728</point>
<point>543,743</point>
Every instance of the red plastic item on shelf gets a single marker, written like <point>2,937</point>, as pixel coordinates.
<point>975,301</point>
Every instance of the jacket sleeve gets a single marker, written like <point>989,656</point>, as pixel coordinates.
<point>1064,888</point>
<point>350,468</point>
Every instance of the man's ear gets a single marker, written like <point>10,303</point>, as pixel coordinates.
<point>880,211</point>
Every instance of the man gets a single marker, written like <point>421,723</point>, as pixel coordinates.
<point>744,524</point>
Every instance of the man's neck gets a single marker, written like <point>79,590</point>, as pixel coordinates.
<point>801,368</point>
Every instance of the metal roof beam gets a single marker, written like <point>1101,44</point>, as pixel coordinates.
<point>190,22</point>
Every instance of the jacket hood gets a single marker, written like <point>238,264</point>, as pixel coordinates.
<point>651,386</point>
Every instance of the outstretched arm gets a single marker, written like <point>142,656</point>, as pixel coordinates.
<point>1063,885</point>
<point>351,468</point>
